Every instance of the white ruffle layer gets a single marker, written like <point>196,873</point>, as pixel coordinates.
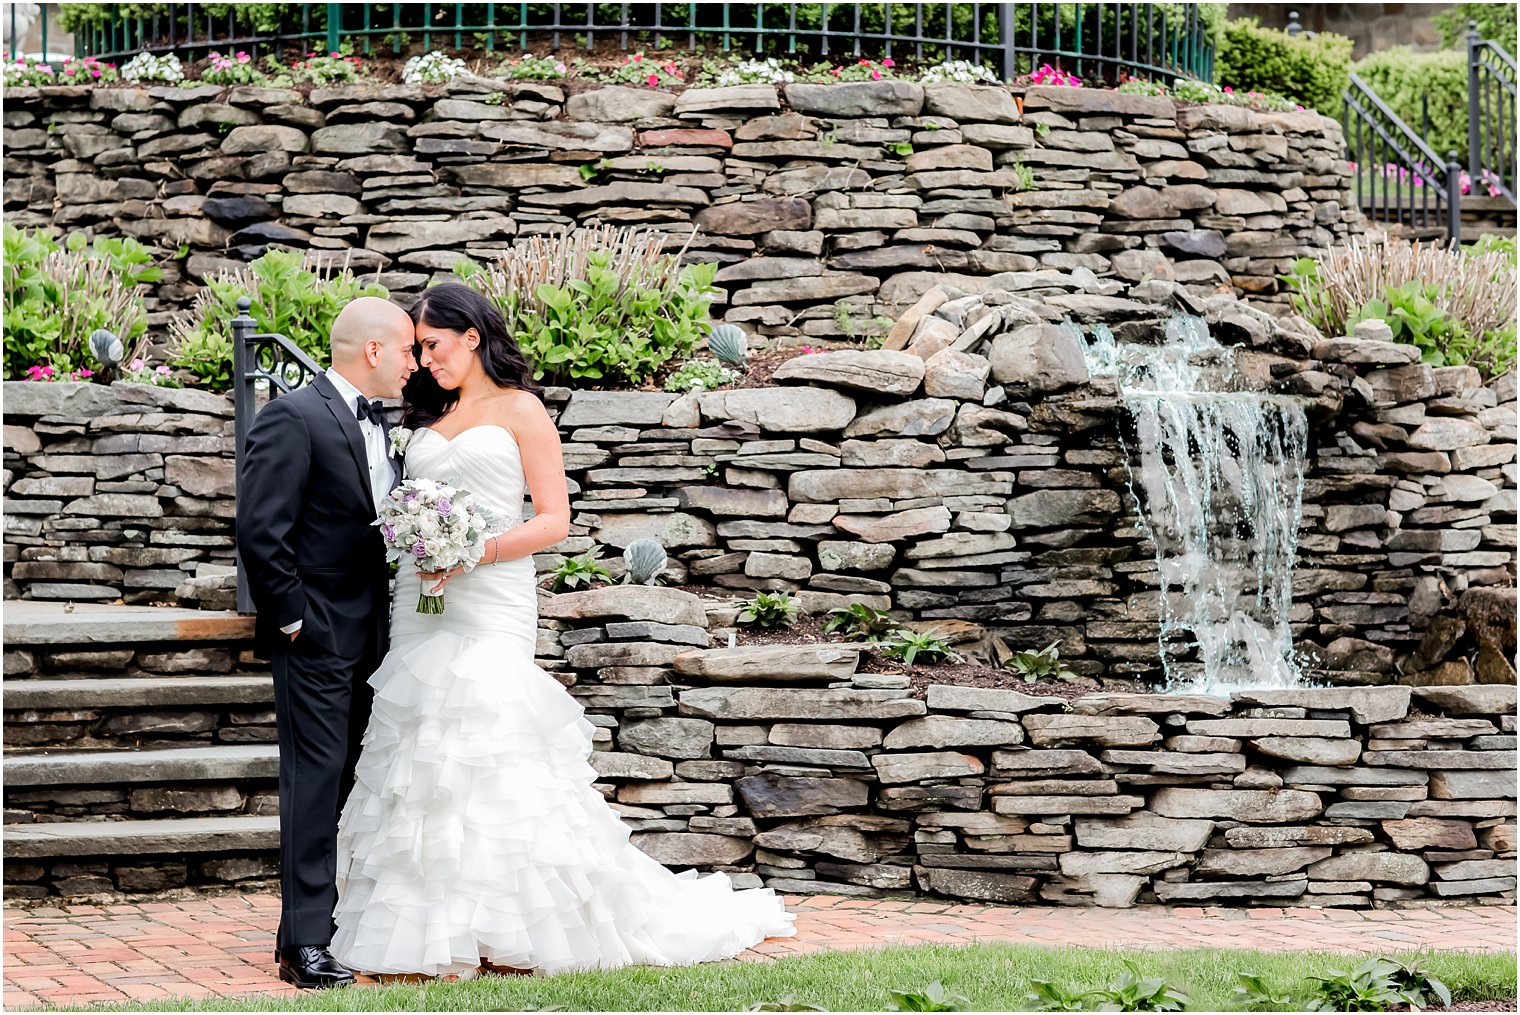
<point>473,832</point>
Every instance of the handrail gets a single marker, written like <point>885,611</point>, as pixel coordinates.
<point>1378,142</point>
<point>1491,149</point>
<point>270,359</point>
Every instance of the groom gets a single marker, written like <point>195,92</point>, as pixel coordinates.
<point>314,471</point>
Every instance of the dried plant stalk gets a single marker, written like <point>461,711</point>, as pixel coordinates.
<point>91,295</point>
<point>637,257</point>
<point>1478,290</point>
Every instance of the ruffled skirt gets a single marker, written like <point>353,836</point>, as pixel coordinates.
<point>473,831</point>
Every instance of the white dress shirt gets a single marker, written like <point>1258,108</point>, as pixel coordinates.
<point>374,449</point>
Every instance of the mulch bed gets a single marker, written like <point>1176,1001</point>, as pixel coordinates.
<point>808,630</point>
<point>762,365</point>
<point>1505,1005</point>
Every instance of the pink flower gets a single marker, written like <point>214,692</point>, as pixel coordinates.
<point>888,62</point>
<point>654,80</point>
<point>875,75</point>
<point>335,54</point>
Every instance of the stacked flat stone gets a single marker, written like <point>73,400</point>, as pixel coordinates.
<point>118,492</point>
<point>970,471</point>
<point>786,761</point>
<point>840,205</point>
<point>787,765</point>
<point>1410,504</point>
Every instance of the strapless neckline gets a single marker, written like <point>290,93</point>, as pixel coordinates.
<point>477,426</point>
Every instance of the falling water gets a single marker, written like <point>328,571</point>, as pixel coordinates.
<point>1217,480</point>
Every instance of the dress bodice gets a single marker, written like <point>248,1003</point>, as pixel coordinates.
<point>484,460</point>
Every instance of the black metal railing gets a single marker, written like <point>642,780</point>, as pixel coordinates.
<point>1490,115</point>
<point>1400,183</point>
<point>1094,40</point>
<point>260,358</point>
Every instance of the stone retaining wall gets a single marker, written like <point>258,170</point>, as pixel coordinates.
<point>788,765</point>
<point>828,779</point>
<point>829,205</point>
<point>976,477</point>
<point>115,492</point>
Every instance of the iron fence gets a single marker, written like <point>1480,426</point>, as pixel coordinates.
<point>1094,40</point>
<point>1490,114</point>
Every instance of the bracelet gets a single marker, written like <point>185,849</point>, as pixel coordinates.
<point>495,549</point>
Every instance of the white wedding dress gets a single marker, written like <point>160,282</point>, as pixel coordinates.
<point>473,830</point>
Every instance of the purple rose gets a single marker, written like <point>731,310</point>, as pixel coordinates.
<point>389,533</point>
<point>419,549</point>
<point>410,496</point>
<point>445,508</point>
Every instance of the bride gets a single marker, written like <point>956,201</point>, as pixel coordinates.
<point>473,836</point>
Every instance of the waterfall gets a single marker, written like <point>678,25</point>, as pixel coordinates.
<point>1216,477</point>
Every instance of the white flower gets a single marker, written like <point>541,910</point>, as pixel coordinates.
<point>748,72</point>
<point>400,438</point>
<point>433,68</point>
<point>958,70</point>
<point>147,67</point>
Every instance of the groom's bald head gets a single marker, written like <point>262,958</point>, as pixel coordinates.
<point>372,346</point>
<point>366,319</point>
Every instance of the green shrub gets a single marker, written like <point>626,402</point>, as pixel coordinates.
<point>1378,984</point>
<point>1456,306</point>
<point>859,622</point>
<point>1495,22</point>
<point>1042,665</point>
<point>932,998</point>
<point>1309,70</point>
<point>289,296</point>
<point>599,305</point>
<point>55,296</point>
<point>705,374</point>
<point>769,609</point>
<point>573,572</point>
<point>908,646</point>
<point>1403,78</point>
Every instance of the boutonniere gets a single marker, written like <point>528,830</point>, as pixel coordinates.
<point>400,438</point>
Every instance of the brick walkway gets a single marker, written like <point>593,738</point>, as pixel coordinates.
<point>220,945</point>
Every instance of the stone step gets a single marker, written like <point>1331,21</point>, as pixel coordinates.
<point>29,623</point>
<point>220,762</point>
<point>48,694</point>
<point>113,838</point>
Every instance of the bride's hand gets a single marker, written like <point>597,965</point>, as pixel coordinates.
<point>434,581</point>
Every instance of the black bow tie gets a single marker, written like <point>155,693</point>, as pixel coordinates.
<point>374,410</point>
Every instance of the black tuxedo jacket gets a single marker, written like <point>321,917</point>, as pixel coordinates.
<point>305,531</point>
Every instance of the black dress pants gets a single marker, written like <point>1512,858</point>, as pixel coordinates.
<point>322,703</point>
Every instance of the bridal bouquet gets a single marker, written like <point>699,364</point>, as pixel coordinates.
<point>436,526</point>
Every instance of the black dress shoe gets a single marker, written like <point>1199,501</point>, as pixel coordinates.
<point>311,967</point>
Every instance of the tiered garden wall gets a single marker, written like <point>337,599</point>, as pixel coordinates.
<point>792,765</point>
<point>978,476</point>
<point>829,205</point>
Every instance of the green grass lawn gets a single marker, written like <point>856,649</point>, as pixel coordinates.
<point>992,977</point>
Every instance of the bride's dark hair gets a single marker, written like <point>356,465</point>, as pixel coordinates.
<point>459,308</point>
